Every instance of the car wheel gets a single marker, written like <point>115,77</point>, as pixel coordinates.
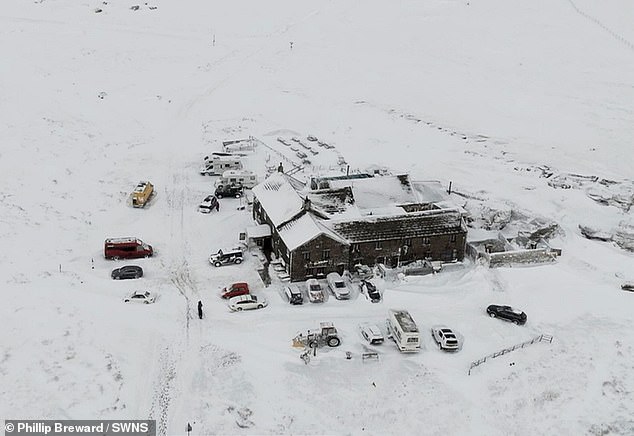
<point>146,302</point>
<point>238,260</point>
<point>313,344</point>
<point>117,277</point>
<point>239,309</point>
<point>127,301</point>
<point>260,306</point>
<point>516,322</point>
<point>136,276</point>
<point>115,258</point>
<point>334,342</point>
<point>238,195</point>
<point>492,315</point>
<point>216,264</point>
<point>219,195</point>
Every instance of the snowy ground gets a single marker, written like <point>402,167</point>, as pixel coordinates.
<point>479,93</point>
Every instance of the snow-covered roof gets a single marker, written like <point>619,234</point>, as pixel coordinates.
<point>259,231</point>
<point>385,228</point>
<point>278,198</point>
<point>374,194</point>
<point>304,229</point>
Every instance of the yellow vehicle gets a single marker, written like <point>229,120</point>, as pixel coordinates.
<point>142,194</point>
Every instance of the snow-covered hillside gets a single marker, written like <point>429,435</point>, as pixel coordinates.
<point>492,95</point>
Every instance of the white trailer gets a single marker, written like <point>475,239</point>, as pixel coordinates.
<point>247,179</point>
<point>216,165</point>
<point>403,330</point>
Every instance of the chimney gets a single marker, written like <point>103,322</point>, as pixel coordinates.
<point>280,168</point>
<point>306,204</point>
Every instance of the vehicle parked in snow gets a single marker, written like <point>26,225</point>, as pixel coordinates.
<point>311,138</point>
<point>403,330</point>
<point>216,165</point>
<point>507,313</point>
<point>445,338</point>
<point>145,297</point>
<point>370,291</point>
<point>283,141</point>
<point>223,257</point>
<point>363,272</point>
<point>240,288</point>
<point>628,286</point>
<point>326,335</point>
<point>229,191</point>
<point>142,194</point>
<point>314,290</point>
<point>371,333</point>
<point>209,203</point>
<point>248,179</point>
<point>126,248</point>
<point>247,302</point>
<point>293,295</point>
<point>127,272</point>
<point>337,286</point>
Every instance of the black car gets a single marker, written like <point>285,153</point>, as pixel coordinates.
<point>127,272</point>
<point>229,191</point>
<point>370,291</point>
<point>507,313</point>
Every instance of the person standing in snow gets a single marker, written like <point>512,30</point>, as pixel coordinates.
<point>200,309</point>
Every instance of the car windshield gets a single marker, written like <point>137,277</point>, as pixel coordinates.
<point>315,288</point>
<point>340,284</point>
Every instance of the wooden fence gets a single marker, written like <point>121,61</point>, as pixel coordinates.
<point>540,338</point>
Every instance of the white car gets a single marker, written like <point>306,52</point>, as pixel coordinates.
<point>338,286</point>
<point>315,293</point>
<point>146,297</point>
<point>371,333</point>
<point>247,302</point>
<point>445,338</point>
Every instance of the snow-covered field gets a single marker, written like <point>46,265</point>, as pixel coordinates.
<point>480,93</point>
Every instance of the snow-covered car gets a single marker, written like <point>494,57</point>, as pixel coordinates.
<point>371,333</point>
<point>445,338</point>
<point>338,286</point>
<point>208,204</point>
<point>127,272</point>
<point>146,297</point>
<point>507,313</point>
<point>247,302</point>
<point>311,138</point>
<point>315,293</point>
<point>370,291</point>
<point>225,256</point>
<point>364,272</point>
<point>629,286</point>
<point>295,139</point>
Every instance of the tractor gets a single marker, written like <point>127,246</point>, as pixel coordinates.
<point>326,335</point>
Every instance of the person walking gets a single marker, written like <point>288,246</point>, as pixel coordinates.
<point>200,309</point>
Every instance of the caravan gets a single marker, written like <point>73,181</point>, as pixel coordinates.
<point>403,330</point>
<point>247,179</point>
<point>217,165</point>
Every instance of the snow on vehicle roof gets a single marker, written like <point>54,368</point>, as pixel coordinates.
<point>405,320</point>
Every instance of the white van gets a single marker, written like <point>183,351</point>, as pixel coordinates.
<point>403,330</point>
<point>217,165</point>
<point>247,179</point>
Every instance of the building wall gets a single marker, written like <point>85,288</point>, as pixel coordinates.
<point>309,260</point>
<point>436,247</point>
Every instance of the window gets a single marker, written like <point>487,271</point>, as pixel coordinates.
<point>325,255</point>
<point>428,255</point>
<point>355,248</point>
<point>378,245</point>
<point>454,254</point>
<point>310,272</point>
<point>407,242</point>
<point>321,271</point>
<point>426,241</point>
<point>452,238</point>
<point>306,255</point>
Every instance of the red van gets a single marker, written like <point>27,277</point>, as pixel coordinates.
<point>235,290</point>
<point>126,248</point>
